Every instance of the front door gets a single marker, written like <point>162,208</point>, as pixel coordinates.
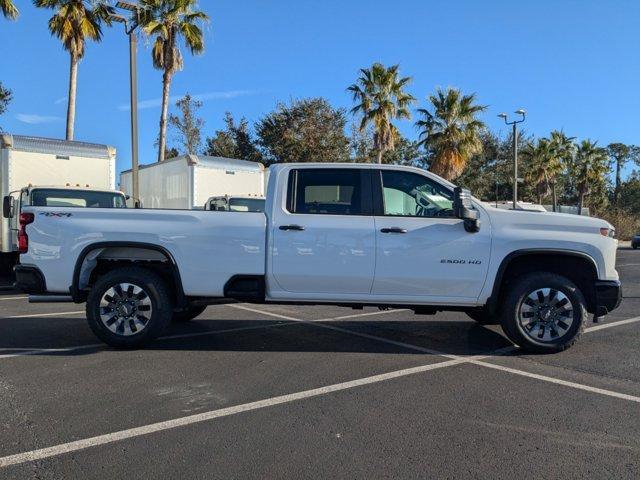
<point>324,239</point>
<point>423,251</point>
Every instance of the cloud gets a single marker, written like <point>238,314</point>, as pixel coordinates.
<point>222,95</point>
<point>60,100</point>
<point>35,119</point>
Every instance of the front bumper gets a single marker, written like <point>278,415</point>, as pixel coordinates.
<point>30,279</point>
<point>608,296</point>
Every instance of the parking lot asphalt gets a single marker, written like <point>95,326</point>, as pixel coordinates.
<point>266,391</point>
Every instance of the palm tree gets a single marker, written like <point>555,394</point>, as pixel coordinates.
<point>620,154</point>
<point>8,9</point>
<point>590,167</point>
<point>169,21</point>
<point>381,99</point>
<point>564,150</point>
<point>74,22</point>
<point>541,166</point>
<point>452,131</point>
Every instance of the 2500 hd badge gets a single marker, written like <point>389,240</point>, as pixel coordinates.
<point>459,261</point>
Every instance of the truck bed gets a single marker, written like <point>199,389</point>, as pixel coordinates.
<point>214,246</point>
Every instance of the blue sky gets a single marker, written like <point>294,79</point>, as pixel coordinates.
<point>572,64</point>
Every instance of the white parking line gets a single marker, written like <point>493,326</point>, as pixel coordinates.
<point>35,315</point>
<point>206,416</point>
<point>13,298</point>
<point>557,381</point>
<point>23,352</point>
<point>476,360</point>
<point>595,328</point>
<point>213,414</point>
<point>320,323</point>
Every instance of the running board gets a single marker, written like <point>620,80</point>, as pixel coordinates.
<point>50,299</point>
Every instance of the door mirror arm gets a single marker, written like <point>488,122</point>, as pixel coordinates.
<point>463,209</point>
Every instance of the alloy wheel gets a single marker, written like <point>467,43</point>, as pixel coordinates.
<point>125,309</point>
<point>545,314</point>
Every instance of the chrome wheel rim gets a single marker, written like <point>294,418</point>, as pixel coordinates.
<point>545,315</point>
<point>125,309</point>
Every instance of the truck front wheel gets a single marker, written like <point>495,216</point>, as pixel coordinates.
<point>129,307</point>
<point>544,313</point>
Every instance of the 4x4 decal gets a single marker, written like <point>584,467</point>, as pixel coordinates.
<point>56,214</point>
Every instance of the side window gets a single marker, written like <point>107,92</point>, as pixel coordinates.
<point>411,195</point>
<point>336,191</point>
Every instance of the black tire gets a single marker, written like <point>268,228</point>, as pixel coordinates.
<point>516,305</point>
<point>483,317</point>
<point>158,307</point>
<point>188,314</point>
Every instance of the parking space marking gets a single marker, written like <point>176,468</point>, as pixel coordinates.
<point>13,298</point>
<point>63,448</point>
<point>545,378</point>
<point>23,352</point>
<point>595,328</point>
<point>477,359</point>
<point>409,346</point>
<point>35,315</point>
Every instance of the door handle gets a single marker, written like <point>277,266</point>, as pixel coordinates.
<point>298,228</point>
<point>394,230</point>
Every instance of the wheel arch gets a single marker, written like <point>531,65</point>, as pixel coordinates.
<point>148,254</point>
<point>577,266</point>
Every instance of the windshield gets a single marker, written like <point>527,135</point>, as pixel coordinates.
<point>246,205</point>
<point>76,198</point>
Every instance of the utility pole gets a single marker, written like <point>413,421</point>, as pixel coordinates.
<point>514,123</point>
<point>133,87</point>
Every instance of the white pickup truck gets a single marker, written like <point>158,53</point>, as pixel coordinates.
<point>342,234</point>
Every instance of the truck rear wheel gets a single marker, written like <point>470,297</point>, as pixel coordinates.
<point>129,307</point>
<point>188,314</point>
<point>544,313</point>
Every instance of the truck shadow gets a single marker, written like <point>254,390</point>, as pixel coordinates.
<point>74,338</point>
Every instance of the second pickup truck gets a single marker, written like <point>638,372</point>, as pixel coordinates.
<point>343,234</point>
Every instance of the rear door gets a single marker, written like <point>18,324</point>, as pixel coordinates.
<point>423,251</point>
<point>324,236</point>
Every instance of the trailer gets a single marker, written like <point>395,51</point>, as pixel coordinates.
<point>186,182</point>
<point>26,161</point>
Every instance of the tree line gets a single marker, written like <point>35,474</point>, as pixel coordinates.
<point>452,142</point>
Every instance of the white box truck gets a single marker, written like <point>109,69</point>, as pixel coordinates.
<point>27,161</point>
<point>186,182</point>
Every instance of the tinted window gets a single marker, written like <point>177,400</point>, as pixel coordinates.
<point>326,191</point>
<point>412,195</point>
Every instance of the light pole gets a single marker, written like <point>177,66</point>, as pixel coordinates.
<point>133,86</point>
<point>515,152</point>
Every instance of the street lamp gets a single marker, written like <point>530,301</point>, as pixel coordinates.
<point>129,29</point>
<point>515,151</point>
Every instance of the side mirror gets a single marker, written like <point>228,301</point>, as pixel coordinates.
<point>7,206</point>
<point>463,209</point>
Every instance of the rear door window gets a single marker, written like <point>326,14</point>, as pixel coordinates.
<point>337,191</point>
